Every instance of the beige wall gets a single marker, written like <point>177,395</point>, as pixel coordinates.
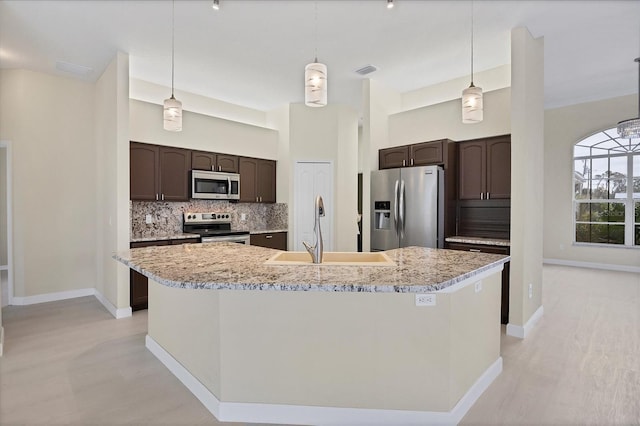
<point>50,122</point>
<point>563,128</point>
<point>527,150</point>
<point>329,134</point>
<point>3,206</point>
<point>202,132</point>
<point>112,170</point>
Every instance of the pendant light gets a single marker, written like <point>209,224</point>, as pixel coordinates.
<point>315,76</point>
<point>631,128</point>
<point>472,95</point>
<point>172,106</point>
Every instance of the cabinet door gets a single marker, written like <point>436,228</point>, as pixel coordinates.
<point>472,162</point>
<point>425,154</point>
<point>266,181</point>
<point>203,160</point>
<point>143,172</point>
<point>390,158</point>
<point>276,240</point>
<point>248,169</point>
<point>499,168</point>
<point>175,165</point>
<point>227,163</point>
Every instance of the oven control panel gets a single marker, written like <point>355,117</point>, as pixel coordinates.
<point>212,217</point>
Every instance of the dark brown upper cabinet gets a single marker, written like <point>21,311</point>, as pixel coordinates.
<point>201,160</point>
<point>485,169</point>
<point>159,173</point>
<point>257,180</point>
<point>420,154</point>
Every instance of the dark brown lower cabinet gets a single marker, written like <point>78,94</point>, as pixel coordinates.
<point>275,240</point>
<point>482,248</point>
<point>138,283</point>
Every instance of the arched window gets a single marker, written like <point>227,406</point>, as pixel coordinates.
<point>606,195</point>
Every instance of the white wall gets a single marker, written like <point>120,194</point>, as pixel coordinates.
<point>563,128</point>
<point>50,121</point>
<point>202,132</point>
<point>112,171</point>
<point>527,151</point>
<point>3,206</point>
<point>330,134</point>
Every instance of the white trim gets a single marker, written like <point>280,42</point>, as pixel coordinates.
<point>1,339</point>
<point>9,175</point>
<point>605,266</point>
<point>522,331</point>
<point>118,313</point>
<point>300,414</point>
<point>52,297</point>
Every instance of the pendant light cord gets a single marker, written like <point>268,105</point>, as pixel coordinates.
<point>315,6</point>
<point>638,61</point>
<point>173,30</point>
<point>471,42</point>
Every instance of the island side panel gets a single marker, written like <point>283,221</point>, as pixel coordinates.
<point>475,333</point>
<point>335,349</point>
<point>185,323</point>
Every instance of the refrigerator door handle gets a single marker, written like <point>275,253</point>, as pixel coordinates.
<point>395,210</point>
<point>402,206</point>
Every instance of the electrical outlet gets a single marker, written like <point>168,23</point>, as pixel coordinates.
<point>530,290</point>
<point>425,300</point>
<point>243,217</point>
<point>478,286</point>
<point>148,219</point>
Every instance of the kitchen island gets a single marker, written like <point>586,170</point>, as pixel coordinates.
<point>412,343</point>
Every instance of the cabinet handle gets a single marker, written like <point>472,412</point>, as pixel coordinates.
<point>412,161</point>
<point>256,199</point>
<point>403,163</point>
<point>219,168</point>
<point>213,168</point>
<point>156,197</point>
<point>482,195</point>
<point>268,237</point>
<point>475,250</point>
<point>260,198</point>
<point>162,197</point>
<point>487,195</point>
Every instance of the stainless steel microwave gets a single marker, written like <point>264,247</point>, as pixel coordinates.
<point>215,185</point>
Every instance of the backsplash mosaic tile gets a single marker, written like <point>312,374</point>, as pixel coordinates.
<point>167,217</point>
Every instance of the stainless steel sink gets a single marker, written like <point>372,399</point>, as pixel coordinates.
<point>331,258</point>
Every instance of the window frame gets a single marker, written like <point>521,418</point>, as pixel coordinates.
<point>631,222</point>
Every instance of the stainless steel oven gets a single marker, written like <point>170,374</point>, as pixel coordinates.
<point>214,227</point>
<point>215,185</point>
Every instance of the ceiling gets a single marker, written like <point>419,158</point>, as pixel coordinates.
<point>253,52</point>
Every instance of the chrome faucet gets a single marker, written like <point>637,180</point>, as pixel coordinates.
<point>317,249</point>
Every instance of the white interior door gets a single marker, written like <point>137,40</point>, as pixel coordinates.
<point>312,179</point>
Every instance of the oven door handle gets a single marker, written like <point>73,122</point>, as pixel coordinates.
<point>230,238</point>
<point>228,185</point>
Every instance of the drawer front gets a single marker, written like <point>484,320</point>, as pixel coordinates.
<point>480,248</point>
<point>276,240</point>
<point>149,243</point>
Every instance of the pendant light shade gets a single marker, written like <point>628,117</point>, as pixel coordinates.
<point>315,84</point>
<point>472,107</point>
<point>631,128</point>
<point>172,115</point>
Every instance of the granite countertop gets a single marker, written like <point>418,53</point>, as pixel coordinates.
<point>163,236</point>
<point>479,240</point>
<point>267,231</point>
<point>241,267</point>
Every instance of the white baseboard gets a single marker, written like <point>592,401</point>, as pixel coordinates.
<point>522,331</point>
<point>116,312</point>
<point>1,339</point>
<point>299,414</point>
<point>52,297</point>
<point>605,266</point>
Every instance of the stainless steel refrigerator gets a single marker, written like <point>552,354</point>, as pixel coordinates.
<point>407,208</point>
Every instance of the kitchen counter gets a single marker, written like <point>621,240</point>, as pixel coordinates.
<point>413,343</point>
<point>239,267</point>
<point>163,237</point>
<point>479,240</point>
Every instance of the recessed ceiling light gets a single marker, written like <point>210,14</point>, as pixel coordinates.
<point>73,68</point>
<point>216,5</point>
<point>389,4</point>
<point>367,69</point>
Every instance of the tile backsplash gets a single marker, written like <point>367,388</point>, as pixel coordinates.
<point>167,217</point>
